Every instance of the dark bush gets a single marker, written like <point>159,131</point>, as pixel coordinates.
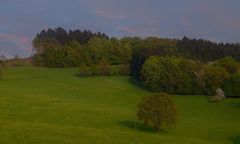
<point>85,71</point>
<point>232,86</point>
<point>103,69</point>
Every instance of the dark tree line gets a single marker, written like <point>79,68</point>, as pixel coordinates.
<point>64,37</point>
<point>144,48</point>
<point>205,50</point>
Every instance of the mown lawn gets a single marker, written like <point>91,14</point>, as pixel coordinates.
<point>55,106</point>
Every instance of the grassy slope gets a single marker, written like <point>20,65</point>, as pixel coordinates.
<point>53,106</point>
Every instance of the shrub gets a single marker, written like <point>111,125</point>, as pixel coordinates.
<point>232,85</point>
<point>18,62</point>
<point>157,110</point>
<point>218,96</point>
<point>124,69</point>
<point>85,70</point>
<point>103,69</point>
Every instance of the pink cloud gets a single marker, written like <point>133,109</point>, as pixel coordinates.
<point>149,28</point>
<point>9,37</point>
<point>128,30</point>
<point>2,19</point>
<point>22,41</point>
<point>5,37</point>
<point>107,9</point>
<point>29,49</point>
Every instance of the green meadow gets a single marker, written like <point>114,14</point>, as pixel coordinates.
<point>56,106</point>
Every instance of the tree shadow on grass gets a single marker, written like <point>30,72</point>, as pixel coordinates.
<point>235,140</point>
<point>77,75</point>
<point>235,104</point>
<point>140,127</point>
<point>136,82</point>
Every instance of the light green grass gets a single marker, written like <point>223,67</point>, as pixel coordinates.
<point>54,106</point>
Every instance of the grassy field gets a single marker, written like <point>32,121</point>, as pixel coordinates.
<point>55,106</point>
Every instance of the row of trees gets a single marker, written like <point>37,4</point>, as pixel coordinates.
<point>64,37</point>
<point>59,48</point>
<point>75,47</point>
<point>183,76</point>
<point>51,53</point>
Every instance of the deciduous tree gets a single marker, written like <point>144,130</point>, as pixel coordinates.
<point>157,110</point>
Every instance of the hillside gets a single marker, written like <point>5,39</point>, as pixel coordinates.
<point>55,106</point>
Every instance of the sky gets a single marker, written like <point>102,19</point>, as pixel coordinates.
<point>21,20</point>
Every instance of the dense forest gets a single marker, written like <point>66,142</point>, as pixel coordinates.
<point>186,66</point>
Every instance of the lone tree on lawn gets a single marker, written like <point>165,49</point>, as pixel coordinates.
<point>157,110</point>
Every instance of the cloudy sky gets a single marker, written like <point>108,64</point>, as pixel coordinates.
<point>20,20</point>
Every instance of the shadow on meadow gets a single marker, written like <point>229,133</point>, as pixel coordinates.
<point>235,140</point>
<point>139,126</point>
<point>235,104</point>
<point>136,82</point>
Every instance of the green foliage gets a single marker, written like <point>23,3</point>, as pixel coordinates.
<point>214,78</point>
<point>229,64</point>
<point>199,50</point>
<point>51,53</point>
<point>169,74</point>
<point>232,85</point>
<point>183,76</point>
<point>144,48</point>
<point>205,50</point>
<point>98,49</point>
<point>150,73</point>
<point>157,110</point>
